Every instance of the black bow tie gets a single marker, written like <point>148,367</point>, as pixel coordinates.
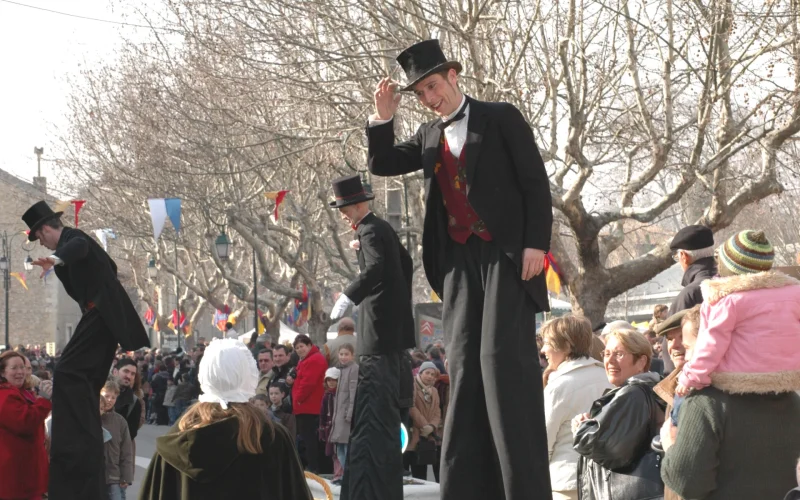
<point>457,117</point>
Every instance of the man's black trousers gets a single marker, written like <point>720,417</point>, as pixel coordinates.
<point>76,452</point>
<point>495,443</point>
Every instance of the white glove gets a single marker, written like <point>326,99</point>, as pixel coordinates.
<point>340,307</point>
<point>426,431</point>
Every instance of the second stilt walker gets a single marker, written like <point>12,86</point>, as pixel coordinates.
<point>374,468</point>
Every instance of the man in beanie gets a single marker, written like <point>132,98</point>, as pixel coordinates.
<point>386,329</point>
<point>89,276</point>
<point>488,221</point>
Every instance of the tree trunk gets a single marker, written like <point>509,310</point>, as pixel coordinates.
<point>590,302</point>
<point>318,328</point>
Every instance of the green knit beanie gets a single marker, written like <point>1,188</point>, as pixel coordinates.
<point>746,253</point>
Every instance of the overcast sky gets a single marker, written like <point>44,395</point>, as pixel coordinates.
<point>40,50</point>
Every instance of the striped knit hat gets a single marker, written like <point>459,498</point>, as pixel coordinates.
<point>747,252</point>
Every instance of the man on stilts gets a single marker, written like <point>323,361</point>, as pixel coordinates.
<point>89,276</point>
<point>374,466</point>
<point>488,219</point>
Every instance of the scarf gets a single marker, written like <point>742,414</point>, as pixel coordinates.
<point>426,391</point>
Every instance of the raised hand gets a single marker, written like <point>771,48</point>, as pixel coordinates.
<point>386,99</point>
<point>46,389</point>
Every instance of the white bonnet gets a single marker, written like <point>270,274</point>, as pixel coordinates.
<point>227,373</point>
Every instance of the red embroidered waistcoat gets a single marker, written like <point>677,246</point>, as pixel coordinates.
<point>451,173</point>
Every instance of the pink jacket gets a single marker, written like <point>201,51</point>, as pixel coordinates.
<point>749,340</point>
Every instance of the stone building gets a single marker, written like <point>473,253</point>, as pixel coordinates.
<point>44,312</point>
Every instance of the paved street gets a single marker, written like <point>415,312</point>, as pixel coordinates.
<point>145,447</point>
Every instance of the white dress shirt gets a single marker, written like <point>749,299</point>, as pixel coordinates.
<point>455,133</point>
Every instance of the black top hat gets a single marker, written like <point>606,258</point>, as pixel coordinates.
<point>422,60</point>
<point>349,191</point>
<point>36,216</point>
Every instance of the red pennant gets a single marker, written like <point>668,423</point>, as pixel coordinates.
<point>278,196</point>
<point>78,205</point>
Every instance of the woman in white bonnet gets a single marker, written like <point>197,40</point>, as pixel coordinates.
<point>223,447</point>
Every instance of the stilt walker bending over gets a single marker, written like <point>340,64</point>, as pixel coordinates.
<point>90,277</point>
<point>488,218</point>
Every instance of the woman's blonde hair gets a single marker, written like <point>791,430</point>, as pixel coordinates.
<point>569,334</point>
<point>251,422</point>
<point>635,343</point>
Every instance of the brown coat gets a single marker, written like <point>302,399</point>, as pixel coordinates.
<point>666,391</point>
<point>423,413</point>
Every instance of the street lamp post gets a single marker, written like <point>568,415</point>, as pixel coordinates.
<point>223,247</point>
<point>5,266</point>
<point>152,272</point>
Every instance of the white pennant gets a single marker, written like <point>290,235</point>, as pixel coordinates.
<point>158,213</point>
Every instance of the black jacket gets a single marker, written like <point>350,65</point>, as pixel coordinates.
<point>507,185</point>
<point>281,372</point>
<point>690,296</point>
<point>130,407</point>
<point>89,276</point>
<point>383,289</point>
<point>205,464</point>
<point>616,440</point>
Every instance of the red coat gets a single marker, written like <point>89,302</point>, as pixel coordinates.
<point>309,387</point>
<point>23,459</point>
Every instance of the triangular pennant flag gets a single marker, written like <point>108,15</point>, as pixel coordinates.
<point>158,213</point>
<point>78,205</point>
<point>21,278</point>
<point>278,196</point>
<point>553,281</point>
<point>174,212</point>
<point>149,317</point>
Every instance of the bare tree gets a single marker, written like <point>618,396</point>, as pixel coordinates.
<point>647,114</point>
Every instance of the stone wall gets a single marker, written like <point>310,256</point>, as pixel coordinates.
<point>43,313</point>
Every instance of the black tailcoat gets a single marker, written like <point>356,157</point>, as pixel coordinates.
<point>507,185</point>
<point>89,275</point>
<point>383,290</point>
<point>495,442</point>
<point>386,328</point>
